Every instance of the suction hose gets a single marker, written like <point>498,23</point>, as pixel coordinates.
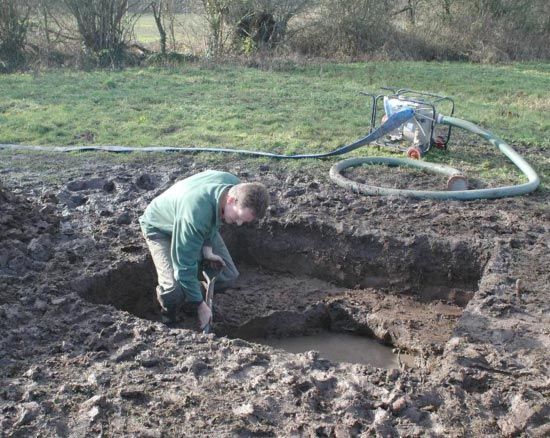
<point>462,195</point>
<point>393,122</point>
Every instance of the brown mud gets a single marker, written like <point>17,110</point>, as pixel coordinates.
<point>463,287</point>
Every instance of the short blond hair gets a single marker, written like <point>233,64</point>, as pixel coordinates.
<point>253,195</point>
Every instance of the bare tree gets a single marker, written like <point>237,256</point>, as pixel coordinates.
<point>157,8</point>
<point>216,13</point>
<point>252,23</point>
<point>53,27</point>
<point>164,15</point>
<point>265,22</point>
<point>103,25</point>
<point>14,23</point>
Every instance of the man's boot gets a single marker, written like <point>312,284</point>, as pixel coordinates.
<point>168,313</point>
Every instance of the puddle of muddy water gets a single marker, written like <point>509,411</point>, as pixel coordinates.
<point>341,347</point>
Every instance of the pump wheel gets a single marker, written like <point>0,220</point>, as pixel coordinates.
<point>439,142</point>
<point>414,153</point>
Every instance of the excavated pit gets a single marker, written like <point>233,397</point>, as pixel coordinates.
<point>304,280</point>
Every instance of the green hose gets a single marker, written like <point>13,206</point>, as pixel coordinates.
<point>462,195</point>
<point>394,121</point>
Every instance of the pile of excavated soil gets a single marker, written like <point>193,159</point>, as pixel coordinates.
<point>463,286</point>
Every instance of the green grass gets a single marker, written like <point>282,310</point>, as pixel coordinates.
<point>302,109</point>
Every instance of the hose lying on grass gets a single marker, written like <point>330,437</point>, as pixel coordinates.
<point>393,122</point>
<point>462,195</point>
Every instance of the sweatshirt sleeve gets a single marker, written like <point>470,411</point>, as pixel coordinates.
<point>187,241</point>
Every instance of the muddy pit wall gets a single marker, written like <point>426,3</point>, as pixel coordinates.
<point>127,285</point>
<point>420,268</point>
<point>428,268</point>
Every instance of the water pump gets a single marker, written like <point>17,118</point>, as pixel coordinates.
<point>418,135</point>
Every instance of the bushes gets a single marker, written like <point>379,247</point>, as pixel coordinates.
<point>263,24</point>
<point>92,33</point>
<point>487,30</point>
<point>344,27</point>
<point>14,22</point>
<point>103,26</point>
<point>246,26</point>
<point>169,59</point>
<point>475,30</point>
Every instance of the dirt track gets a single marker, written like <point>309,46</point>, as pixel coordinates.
<point>462,286</point>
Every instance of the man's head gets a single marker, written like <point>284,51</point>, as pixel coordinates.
<point>245,203</point>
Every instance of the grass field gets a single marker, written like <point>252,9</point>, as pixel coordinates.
<point>293,110</point>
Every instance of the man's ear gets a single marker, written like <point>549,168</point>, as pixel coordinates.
<point>231,199</point>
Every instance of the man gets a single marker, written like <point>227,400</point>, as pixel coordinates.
<point>181,228</point>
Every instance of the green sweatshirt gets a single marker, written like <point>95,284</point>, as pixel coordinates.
<point>190,212</point>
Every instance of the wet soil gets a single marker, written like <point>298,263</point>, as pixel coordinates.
<point>461,286</point>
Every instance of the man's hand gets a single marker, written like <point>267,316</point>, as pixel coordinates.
<point>205,315</point>
<point>215,260</point>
